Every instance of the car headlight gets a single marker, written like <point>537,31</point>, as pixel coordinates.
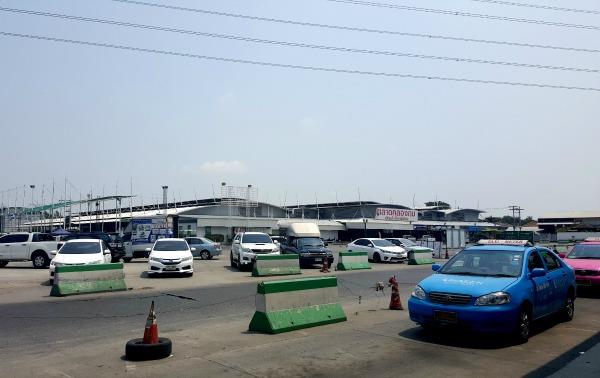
<point>155,259</point>
<point>418,293</point>
<point>498,298</point>
<point>189,258</point>
<point>276,249</point>
<point>246,250</point>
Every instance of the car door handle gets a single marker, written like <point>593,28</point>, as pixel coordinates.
<point>24,245</point>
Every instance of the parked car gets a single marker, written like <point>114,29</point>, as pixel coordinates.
<point>80,252</point>
<point>116,249</point>
<point>496,286</point>
<point>409,245</point>
<point>378,250</point>
<point>206,249</point>
<point>170,255</point>
<point>36,247</point>
<point>584,258</point>
<point>246,245</point>
<point>304,240</point>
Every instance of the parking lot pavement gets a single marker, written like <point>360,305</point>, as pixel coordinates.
<point>375,341</point>
<point>20,282</point>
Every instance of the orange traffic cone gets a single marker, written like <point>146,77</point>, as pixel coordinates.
<point>325,268</point>
<point>151,330</point>
<point>395,303</point>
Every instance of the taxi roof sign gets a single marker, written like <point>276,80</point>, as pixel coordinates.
<point>593,239</point>
<point>521,243</point>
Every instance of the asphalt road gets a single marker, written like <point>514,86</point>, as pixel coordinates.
<point>65,322</point>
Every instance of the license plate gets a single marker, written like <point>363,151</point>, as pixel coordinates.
<point>170,268</point>
<point>584,282</point>
<point>318,259</point>
<point>445,317</point>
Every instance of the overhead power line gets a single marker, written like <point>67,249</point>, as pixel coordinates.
<point>466,14</point>
<point>297,44</point>
<point>295,66</point>
<point>539,6</point>
<point>358,29</point>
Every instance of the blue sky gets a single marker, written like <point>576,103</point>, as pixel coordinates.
<point>105,117</point>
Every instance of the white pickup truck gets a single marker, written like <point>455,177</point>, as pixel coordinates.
<point>36,247</point>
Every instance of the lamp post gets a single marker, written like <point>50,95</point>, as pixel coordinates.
<point>31,211</point>
<point>365,221</point>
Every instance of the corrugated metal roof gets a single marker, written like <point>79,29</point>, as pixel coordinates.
<point>571,214</point>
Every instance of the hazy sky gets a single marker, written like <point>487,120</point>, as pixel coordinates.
<point>103,117</point>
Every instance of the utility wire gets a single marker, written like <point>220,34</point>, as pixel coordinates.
<point>466,14</point>
<point>538,6</point>
<point>357,29</point>
<point>301,45</point>
<point>295,66</point>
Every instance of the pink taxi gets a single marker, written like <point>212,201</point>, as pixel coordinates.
<point>584,258</point>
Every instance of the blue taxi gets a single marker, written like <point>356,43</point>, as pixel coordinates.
<point>496,286</point>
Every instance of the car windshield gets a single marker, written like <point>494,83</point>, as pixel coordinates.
<point>496,263</point>
<point>408,242</point>
<point>256,238</point>
<point>207,241</point>
<point>170,245</point>
<point>585,251</point>
<point>382,243</point>
<point>80,248</point>
<point>310,242</point>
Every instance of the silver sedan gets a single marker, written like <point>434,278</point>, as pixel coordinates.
<point>206,249</point>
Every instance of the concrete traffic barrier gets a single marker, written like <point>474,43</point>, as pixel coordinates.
<point>418,256</point>
<point>90,278</point>
<point>276,265</point>
<point>353,261</point>
<point>288,305</point>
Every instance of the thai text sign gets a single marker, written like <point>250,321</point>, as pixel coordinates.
<point>388,214</point>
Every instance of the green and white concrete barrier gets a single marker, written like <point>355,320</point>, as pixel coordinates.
<point>276,265</point>
<point>288,305</point>
<point>420,256</point>
<point>90,278</point>
<point>353,261</point>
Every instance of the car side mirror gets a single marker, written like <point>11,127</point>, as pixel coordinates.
<point>236,242</point>
<point>436,267</point>
<point>53,253</point>
<point>193,249</point>
<point>562,255</point>
<point>537,272</point>
<point>148,249</point>
<point>326,244</point>
<point>370,245</point>
<point>107,251</point>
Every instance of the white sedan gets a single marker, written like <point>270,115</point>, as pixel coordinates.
<point>378,250</point>
<point>80,252</point>
<point>171,256</point>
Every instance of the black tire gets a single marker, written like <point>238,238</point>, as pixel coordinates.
<point>127,259</point>
<point>376,257</point>
<point>135,350</point>
<point>568,311</point>
<point>40,260</point>
<point>523,326</point>
<point>231,261</point>
<point>205,255</point>
<point>3,264</point>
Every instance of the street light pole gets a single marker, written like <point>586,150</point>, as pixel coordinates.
<point>31,211</point>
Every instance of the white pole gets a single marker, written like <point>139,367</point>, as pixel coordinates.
<point>52,208</point>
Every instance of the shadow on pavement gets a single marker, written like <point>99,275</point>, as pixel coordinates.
<point>565,358</point>
<point>470,340</point>
<point>145,274</point>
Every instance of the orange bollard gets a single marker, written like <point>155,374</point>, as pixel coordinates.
<point>395,303</point>
<point>151,330</point>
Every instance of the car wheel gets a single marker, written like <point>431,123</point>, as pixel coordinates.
<point>40,260</point>
<point>205,255</point>
<point>231,261</point>
<point>127,259</point>
<point>568,311</point>
<point>136,350</point>
<point>376,258</point>
<point>523,326</point>
<point>3,264</point>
